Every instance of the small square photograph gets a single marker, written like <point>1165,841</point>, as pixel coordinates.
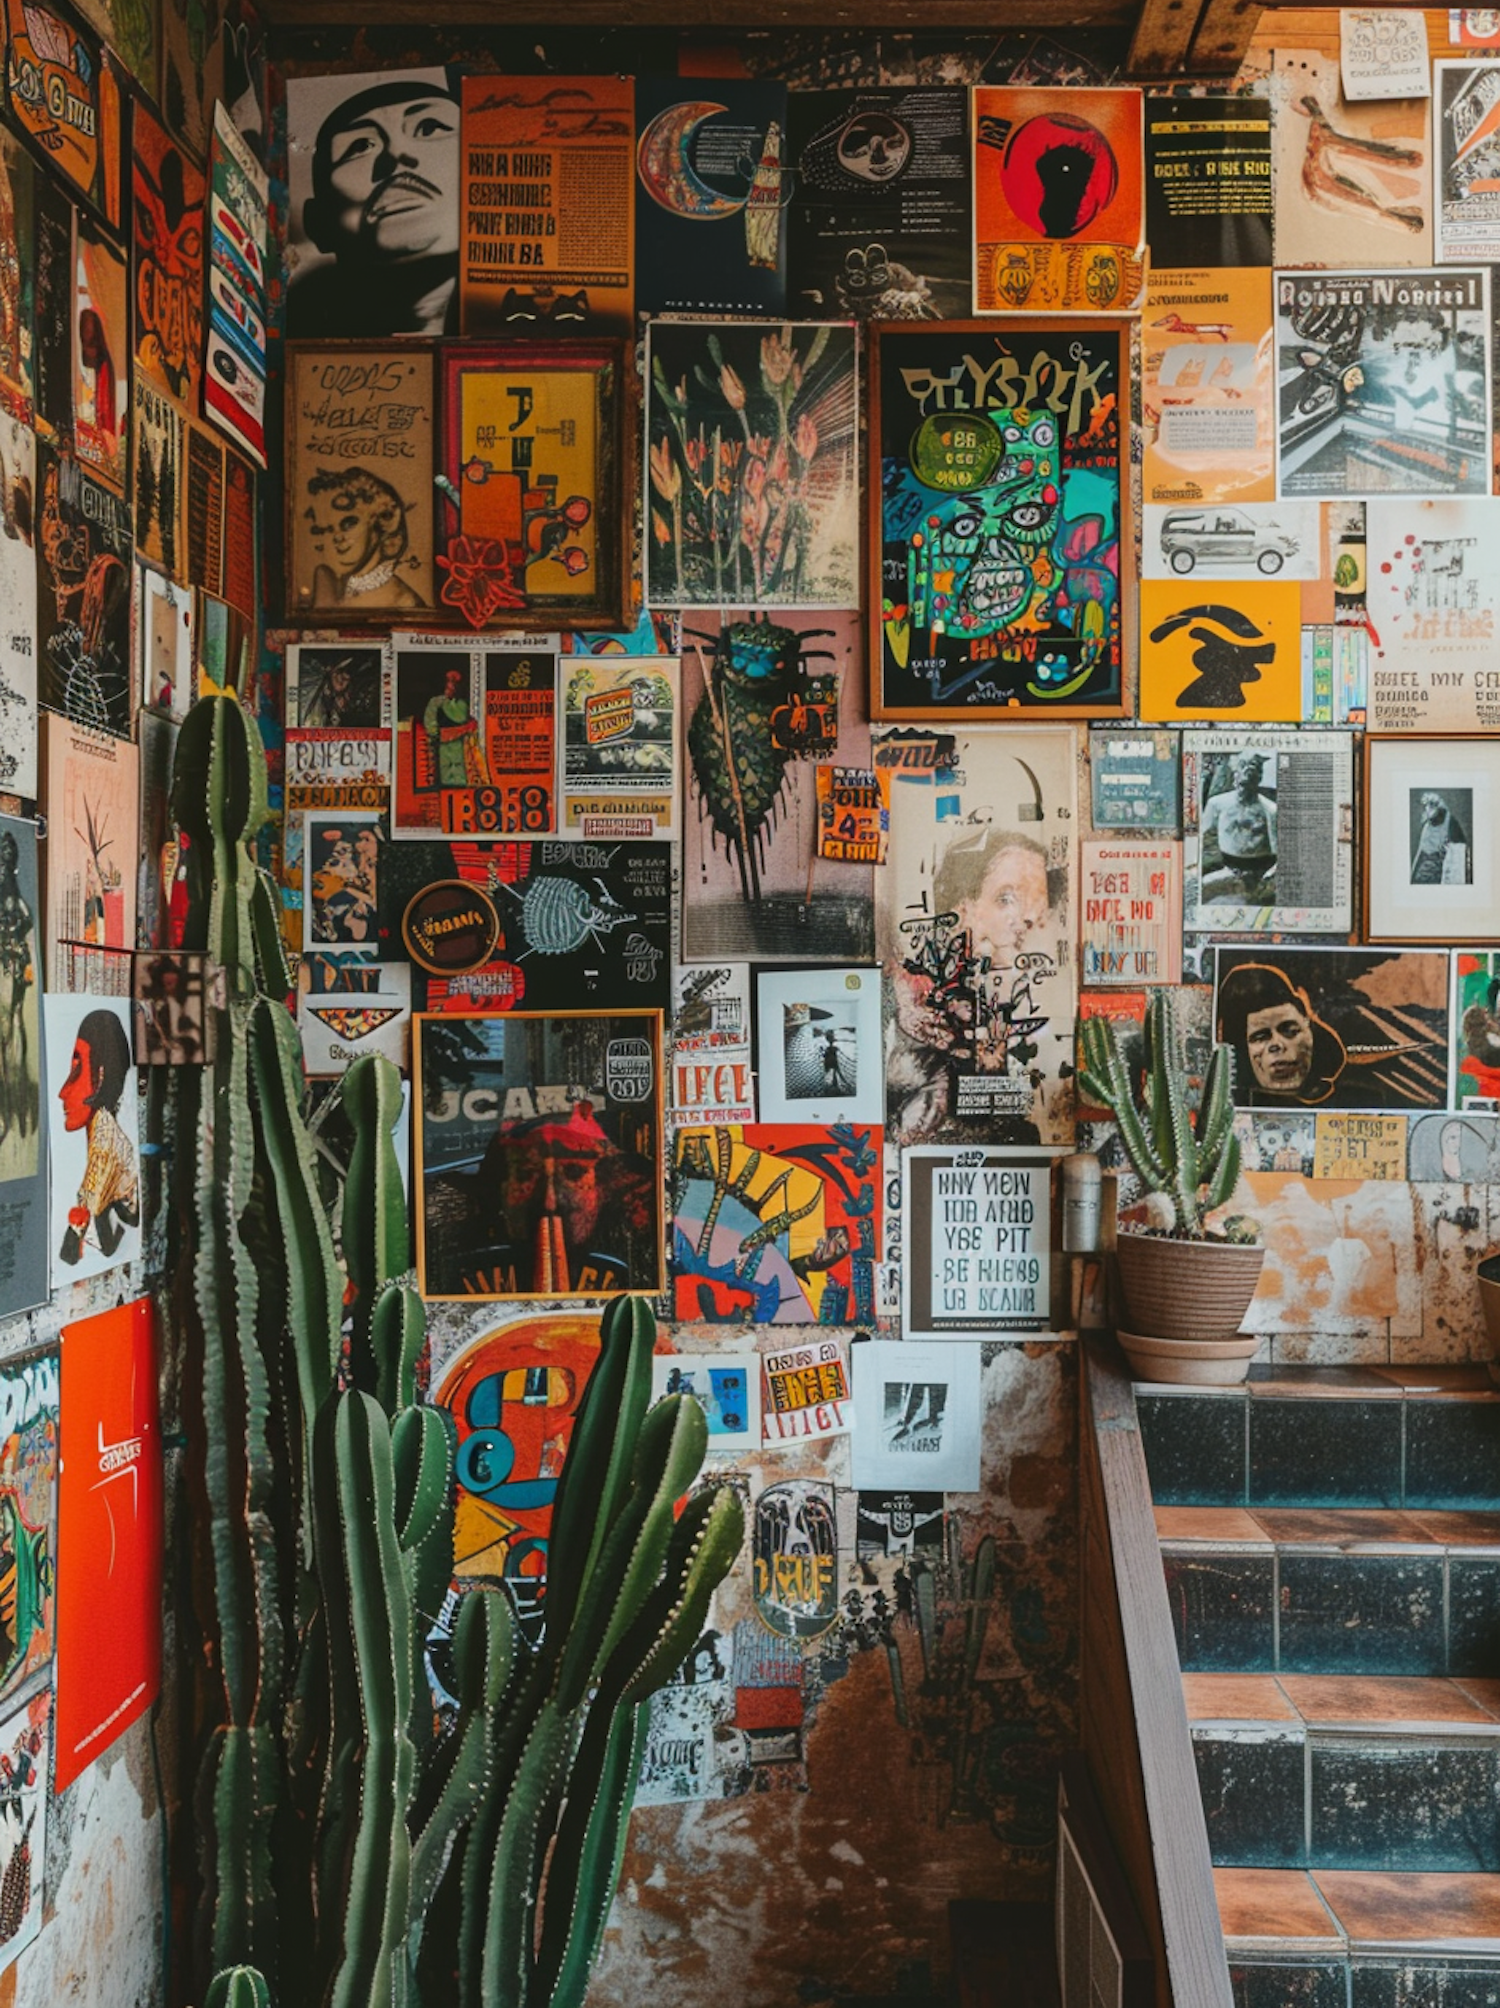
<point>1432,837</point>
<point>913,1418</point>
<point>819,1050</point>
<point>174,991</point>
<point>819,1058</point>
<point>725,1386</point>
<point>333,689</point>
<point>1441,823</point>
<point>341,876</point>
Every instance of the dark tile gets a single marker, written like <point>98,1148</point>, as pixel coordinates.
<point>1452,1453</point>
<point>1392,1805</point>
<point>1361,1613</point>
<point>1222,1609</point>
<point>1474,1615</point>
<point>1325,1453</point>
<point>1195,1448</point>
<point>1253,1789</point>
<point>1424,1985</point>
<point>1291,1984</point>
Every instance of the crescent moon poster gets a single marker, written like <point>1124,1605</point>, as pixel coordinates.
<point>712,185</point>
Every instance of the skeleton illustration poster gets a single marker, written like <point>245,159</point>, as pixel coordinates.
<point>763,700</point>
<point>473,731</point>
<point>1353,182</point>
<point>776,1224</point>
<point>751,486</point>
<point>167,208</point>
<point>83,596</point>
<point>24,1257</point>
<point>1221,651</point>
<point>997,453</point>
<point>25,1741</point>
<point>712,185</point>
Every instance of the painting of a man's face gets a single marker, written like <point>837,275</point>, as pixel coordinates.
<point>1280,1044</point>
<point>391,173</point>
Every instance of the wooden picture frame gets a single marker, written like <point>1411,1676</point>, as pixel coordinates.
<point>1430,850</point>
<point>999,452</point>
<point>538,1154</point>
<point>532,521</point>
<point>361,432</point>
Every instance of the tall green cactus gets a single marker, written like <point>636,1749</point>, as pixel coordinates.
<point>1194,1168</point>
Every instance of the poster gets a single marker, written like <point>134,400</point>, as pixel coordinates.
<point>25,1743</point>
<point>1135,779</point>
<point>17,276</point>
<point>1131,912</point>
<point>92,799</point>
<point>1382,54</point>
<point>161,870</point>
<point>1269,831</point>
<point>94,1137</point>
<point>977,925</point>
<point>1224,649</point>
<point>548,210</point>
<point>997,454</point>
<point>818,1045</point>
<point>978,1242</point>
<point>794,1559</point>
<point>52,295</point>
<point>28,1509</point>
<point>617,747</point>
<point>24,1260</point>
<point>762,700</point>
<point>538,1154</point>
<point>1277,540</point>
<point>363,259</point>
<point>713,1076</point>
<point>726,1386</point>
<point>131,30</point>
<point>340,1026</point>
<point>712,186</point>
<point>157,432</point>
<point>1353,182</point>
<point>65,100</point>
<point>751,481</point>
<point>109,1514</point>
<point>1432,598</point>
<point>18,608</point>
<point>1341,1028</point>
<point>854,814</point>
<point>1058,200</point>
<point>1360,1146</point>
<point>1208,388</point>
<point>881,217</point>
<point>1476,1014</point>
<point>1383,382</point>
<point>101,354</point>
<point>204,518</point>
<point>164,643</point>
<point>234,384</point>
<point>919,1411</point>
<point>775,1224</point>
<point>473,733</point>
<point>334,686</point>
<point>193,70</point>
<point>173,995</point>
<point>806,1396</point>
<point>1208,181</point>
<point>167,213</point>
<point>341,858</point>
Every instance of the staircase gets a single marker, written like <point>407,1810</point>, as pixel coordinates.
<point>1331,1543</point>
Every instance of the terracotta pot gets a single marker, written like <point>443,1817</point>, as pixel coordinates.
<point>1187,1289</point>
<point>1189,1362</point>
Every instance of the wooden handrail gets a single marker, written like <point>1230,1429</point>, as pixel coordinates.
<point>1134,1720</point>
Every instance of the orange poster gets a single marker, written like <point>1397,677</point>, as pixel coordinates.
<point>1215,650</point>
<point>1206,387</point>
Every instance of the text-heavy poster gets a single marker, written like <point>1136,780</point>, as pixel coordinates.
<point>1208,181</point>
<point>1432,597</point>
<point>24,1265</point>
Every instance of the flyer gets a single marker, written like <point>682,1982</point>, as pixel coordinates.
<point>473,737</point>
<point>1208,181</point>
<point>1269,831</point>
<point>617,750</point>
<point>1433,606</point>
<point>1207,388</point>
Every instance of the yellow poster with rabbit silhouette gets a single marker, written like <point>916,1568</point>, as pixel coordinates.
<point>1221,650</point>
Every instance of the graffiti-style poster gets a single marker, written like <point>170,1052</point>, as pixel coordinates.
<point>25,1740</point>
<point>763,700</point>
<point>548,211</point>
<point>920,1412</point>
<point>1433,601</point>
<point>751,483</point>
<point>1383,382</point>
<point>157,430</point>
<point>94,1135</point>
<point>1058,200</point>
<point>1269,831</point>
<point>881,220</point>
<point>28,1513</point>
<point>1221,651</point>
<point>83,596</point>
<point>977,930</point>
<point>92,798</point>
<point>776,1224</point>
<point>1207,388</point>
<point>1353,182</point>
<point>617,750</point>
<point>998,455</point>
<point>101,354</point>
<point>806,1396</point>
<point>726,1386</point>
<point>474,736</point>
<point>66,101</point>
<point>712,186</point>
<point>109,1530</point>
<point>17,275</point>
<point>18,606</point>
<point>167,208</point>
<point>234,384</point>
<point>794,1549</point>
<point>539,1154</point>
<point>24,1255</point>
<point>1208,181</point>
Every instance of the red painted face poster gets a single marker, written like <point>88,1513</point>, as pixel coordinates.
<point>109,1559</point>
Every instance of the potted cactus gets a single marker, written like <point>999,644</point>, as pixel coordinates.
<point>1188,1273</point>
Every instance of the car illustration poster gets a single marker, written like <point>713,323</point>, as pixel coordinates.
<point>1232,540</point>
<point>1207,389</point>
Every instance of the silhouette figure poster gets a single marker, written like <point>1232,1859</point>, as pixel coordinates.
<point>1214,650</point>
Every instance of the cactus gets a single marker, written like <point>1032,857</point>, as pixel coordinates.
<point>238,1987</point>
<point>1195,1169</point>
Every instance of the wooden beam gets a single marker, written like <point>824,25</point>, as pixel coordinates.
<point>1224,35</point>
<point>968,15</point>
<point>1162,37</point>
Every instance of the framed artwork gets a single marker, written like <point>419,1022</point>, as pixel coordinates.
<point>1432,838</point>
<point>819,1058</point>
<point>359,467</point>
<point>538,1154</point>
<point>533,469</point>
<point>978,1242</point>
<point>1000,456</point>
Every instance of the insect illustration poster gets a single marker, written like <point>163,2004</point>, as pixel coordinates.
<point>83,596</point>
<point>25,1743</point>
<point>24,1255</point>
<point>109,1528</point>
<point>1215,650</point>
<point>751,476</point>
<point>997,452</point>
<point>167,207</point>
<point>101,354</point>
<point>28,1513</point>
<point>712,186</point>
<point>94,1136</point>
<point>776,1224</point>
<point>1207,388</point>
<point>1353,182</point>
<point>762,701</point>
<point>617,750</point>
<point>473,733</point>
<point>881,218</point>
<point>93,800</point>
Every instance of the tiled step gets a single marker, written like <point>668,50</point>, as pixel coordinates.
<point>1322,1770</point>
<point>1327,1436</point>
<point>1292,1590</point>
<point>1333,1938</point>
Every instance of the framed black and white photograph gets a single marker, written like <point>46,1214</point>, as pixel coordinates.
<point>918,1413</point>
<point>1432,838</point>
<point>979,1241</point>
<point>1269,831</point>
<point>819,1055</point>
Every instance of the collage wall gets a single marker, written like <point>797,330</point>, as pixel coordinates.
<point>775,582</point>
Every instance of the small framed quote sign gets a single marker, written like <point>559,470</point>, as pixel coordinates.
<point>978,1241</point>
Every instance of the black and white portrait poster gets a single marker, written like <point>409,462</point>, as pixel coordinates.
<point>918,1409</point>
<point>372,238</point>
<point>1269,831</point>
